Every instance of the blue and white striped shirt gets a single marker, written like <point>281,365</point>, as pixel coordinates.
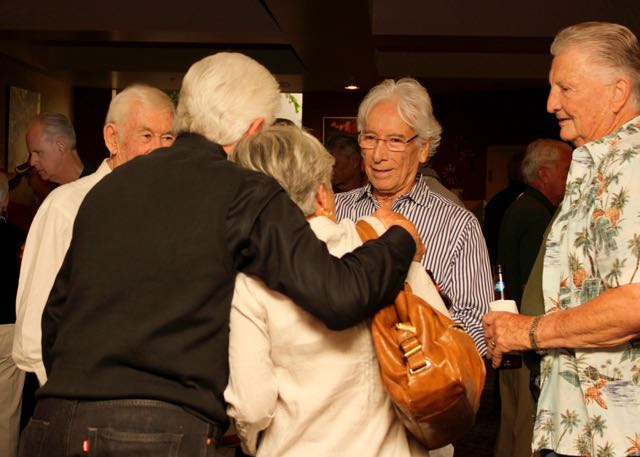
<point>455,250</point>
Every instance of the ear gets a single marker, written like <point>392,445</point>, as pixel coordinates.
<point>321,196</point>
<point>322,200</point>
<point>255,127</point>
<point>423,153</point>
<point>60,144</point>
<point>621,94</point>
<point>110,134</point>
<point>543,174</point>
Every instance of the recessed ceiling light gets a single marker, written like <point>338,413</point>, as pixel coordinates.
<point>351,87</point>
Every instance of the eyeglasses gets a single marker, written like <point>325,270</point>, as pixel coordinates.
<point>394,143</point>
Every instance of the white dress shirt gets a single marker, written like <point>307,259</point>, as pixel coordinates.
<point>47,243</point>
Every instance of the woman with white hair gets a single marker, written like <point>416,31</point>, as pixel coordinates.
<point>296,387</point>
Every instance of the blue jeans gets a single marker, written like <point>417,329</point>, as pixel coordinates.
<point>116,428</point>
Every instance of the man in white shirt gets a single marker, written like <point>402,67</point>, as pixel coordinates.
<point>139,120</point>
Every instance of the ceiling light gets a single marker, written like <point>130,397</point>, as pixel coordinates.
<point>351,87</point>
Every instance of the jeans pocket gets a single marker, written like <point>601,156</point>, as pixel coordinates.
<point>108,442</point>
<point>32,439</point>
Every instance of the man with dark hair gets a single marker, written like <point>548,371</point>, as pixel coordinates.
<point>348,173</point>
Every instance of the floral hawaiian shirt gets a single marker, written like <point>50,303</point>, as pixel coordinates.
<point>590,400</point>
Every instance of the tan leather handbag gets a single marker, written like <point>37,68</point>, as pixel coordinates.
<point>429,366</point>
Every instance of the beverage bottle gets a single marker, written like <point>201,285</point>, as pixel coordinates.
<point>510,359</point>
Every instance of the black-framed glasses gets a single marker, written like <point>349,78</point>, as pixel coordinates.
<point>394,143</point>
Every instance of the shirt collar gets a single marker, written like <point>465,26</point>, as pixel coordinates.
<point>597,149</point>
<point>418,194</point>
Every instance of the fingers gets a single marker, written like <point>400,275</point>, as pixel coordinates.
<point>493,352</point>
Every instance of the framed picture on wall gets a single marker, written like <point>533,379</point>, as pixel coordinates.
<point>334,125</point>
<point>22,106</point>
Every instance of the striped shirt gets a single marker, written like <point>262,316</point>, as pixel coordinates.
<point>456,252</point>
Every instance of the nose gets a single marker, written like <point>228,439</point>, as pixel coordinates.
<point>552,101</point>
<point>32,160</point>
<point>379,151</point>
<point>157,142</point>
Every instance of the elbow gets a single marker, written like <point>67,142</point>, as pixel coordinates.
<point>342,314</point>
<point>338,321</point>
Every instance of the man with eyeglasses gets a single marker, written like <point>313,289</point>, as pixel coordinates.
<point>397,132</point>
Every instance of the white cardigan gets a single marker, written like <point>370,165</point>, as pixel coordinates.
<point>297,388</point>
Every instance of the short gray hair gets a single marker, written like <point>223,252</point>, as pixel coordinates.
<point>56,125</point>
<point>148,96</point>
<point>223,94</point>
<point>294,158</point>
<point>612,45</point>
<point>414,108</point>
<point>538,153</point>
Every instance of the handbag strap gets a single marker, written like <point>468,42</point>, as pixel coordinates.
<point>406,333</point>
<point>366,231</point>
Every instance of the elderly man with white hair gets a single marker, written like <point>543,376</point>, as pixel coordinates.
<point>135,330</point>
<point>398,131</point>
<point>590,394</point>
<point>139,120</point>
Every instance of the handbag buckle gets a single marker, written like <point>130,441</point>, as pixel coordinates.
<point>426,366</point>
<point>405,327</point>
<point>412,351</point>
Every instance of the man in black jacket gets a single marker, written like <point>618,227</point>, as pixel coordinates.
<point>135,330</point>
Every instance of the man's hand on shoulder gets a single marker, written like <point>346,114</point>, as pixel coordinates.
<point>389,218</point>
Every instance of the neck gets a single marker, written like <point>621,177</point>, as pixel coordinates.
<point>72,170</point>
<point>540,187</point>
<point>625,115</point>
<point>385,201</point>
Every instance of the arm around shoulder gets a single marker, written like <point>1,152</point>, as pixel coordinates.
<point>286,254</point>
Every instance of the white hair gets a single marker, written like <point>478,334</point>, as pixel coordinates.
<point>294,158</point>
<point>414,108</point>
<point>613,46</point>
<point>223,94</point>
<point>148,96</point>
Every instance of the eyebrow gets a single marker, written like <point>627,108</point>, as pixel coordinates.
<point>144,128</point>
<point>399,135</point>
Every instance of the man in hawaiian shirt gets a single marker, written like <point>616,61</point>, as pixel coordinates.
<point>590,398</point>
